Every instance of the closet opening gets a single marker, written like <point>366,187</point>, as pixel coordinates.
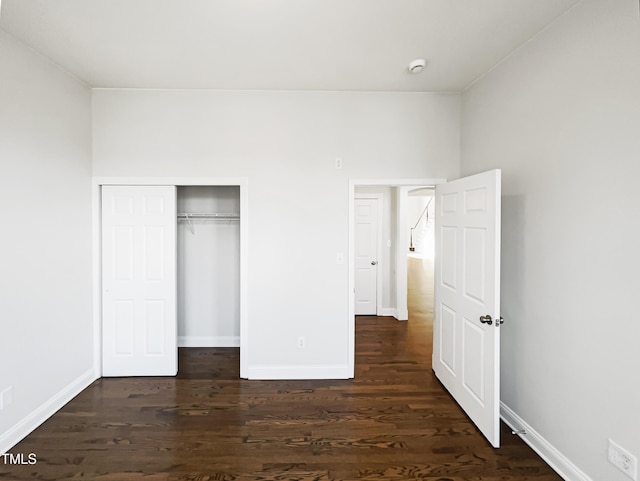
<point>170,264</point>
<point>208,273</point>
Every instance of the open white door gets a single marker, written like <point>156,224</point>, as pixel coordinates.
<point>139,325</point>
<point>466,335</point>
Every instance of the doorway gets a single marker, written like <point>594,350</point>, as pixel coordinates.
<point>420,254</point>
<point>466,347</point>
<point>395,243</point>
<point>208,266</point>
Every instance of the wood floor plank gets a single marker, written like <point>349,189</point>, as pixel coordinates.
<point>394,421</point>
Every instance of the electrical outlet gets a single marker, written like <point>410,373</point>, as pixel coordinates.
<point>339,163</point>
<point>301,342</point>
<point>339,258</point>
<point>623,460</point>
<point>6,398</point>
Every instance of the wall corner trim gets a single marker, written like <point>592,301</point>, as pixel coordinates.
<point>549,453</point>
<point>24,427</point>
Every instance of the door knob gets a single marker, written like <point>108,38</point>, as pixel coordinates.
<point>486,319</point>
<point>374,263</point>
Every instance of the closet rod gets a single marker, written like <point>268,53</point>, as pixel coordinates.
<point>207,215</point>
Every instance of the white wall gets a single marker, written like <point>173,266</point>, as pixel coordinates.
<point>285,144</point>
<point>46,333</point>
<point>209,268</point>
<point>561,117</point>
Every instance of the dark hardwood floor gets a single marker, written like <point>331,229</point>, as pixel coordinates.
<point>393,421</point>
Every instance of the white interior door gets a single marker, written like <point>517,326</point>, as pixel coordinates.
<point>466,344</point>
<point>366,256</point>
<point>139,325</point>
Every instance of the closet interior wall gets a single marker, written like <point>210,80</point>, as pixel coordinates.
<point>208,267</point>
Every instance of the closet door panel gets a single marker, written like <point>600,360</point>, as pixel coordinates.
<point>139,320</point>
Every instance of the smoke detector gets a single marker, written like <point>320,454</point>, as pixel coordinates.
<point>417,65</point>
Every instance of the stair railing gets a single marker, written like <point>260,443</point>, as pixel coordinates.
<point>425,211</point>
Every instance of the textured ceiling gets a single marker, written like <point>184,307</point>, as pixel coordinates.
<point>278,44</point>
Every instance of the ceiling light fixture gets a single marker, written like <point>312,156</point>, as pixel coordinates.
<point>417,65</point>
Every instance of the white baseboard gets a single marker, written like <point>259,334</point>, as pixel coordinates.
<point>22,429</point>
<point>208,341</point>
<point>554,458</point>
<point>298,372</point>
<point>393,312</point>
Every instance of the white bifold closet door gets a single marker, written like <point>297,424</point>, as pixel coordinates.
<point>139,323</point>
